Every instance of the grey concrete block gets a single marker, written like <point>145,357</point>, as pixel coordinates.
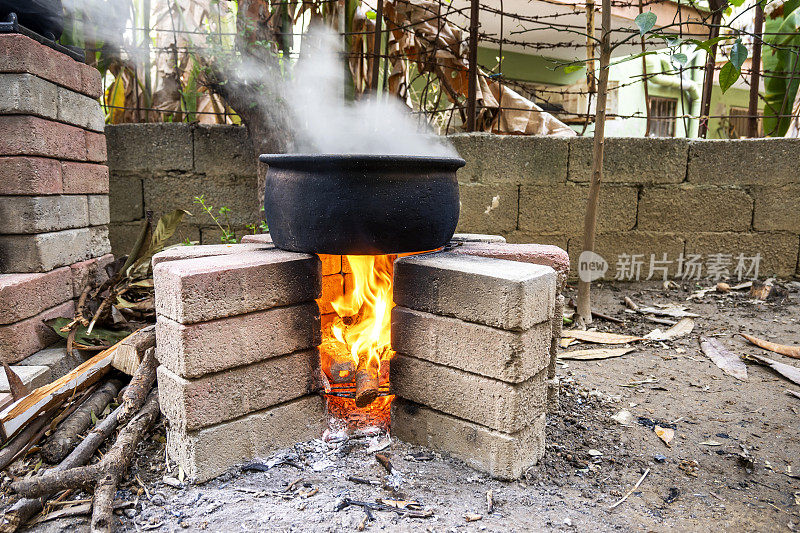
<point>56,359</point>
<point>80,110</point>
<point>763,162</point>
<point>220,150</point>
<point>206,453</point>
<point>505,355</point>
<point>215,398</point>
<point>488,207</point>
<point>776,209</point>
<point>165,193</point>
<point>778,251</point>
<point>98,209</point>
<point>689,209</point>
<point>98,241</point>
<point>40,214</point>
<point>631,159</point>
<point>501,455</point>
<point>126,198</point>
<point>194,350</point>
<point>150,147</point>
<point>43,252</point>
<point>512,159</point>
<point>25,94</point>
<point>179,253</point>
<point>504,294</point>
<point>195,290</point>
<point>123,235</point>
<point>553,209</point>
<point>489,402</point>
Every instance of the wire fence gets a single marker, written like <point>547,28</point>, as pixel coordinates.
<point>678,68</point>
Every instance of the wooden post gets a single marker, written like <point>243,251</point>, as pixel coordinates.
<point>755,71</point>
<point>590,218</point>
<point>472,81</point>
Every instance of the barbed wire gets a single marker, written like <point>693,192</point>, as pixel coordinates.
<point>561,84</point>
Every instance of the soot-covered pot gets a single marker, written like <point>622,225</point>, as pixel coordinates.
<point>361,204</point>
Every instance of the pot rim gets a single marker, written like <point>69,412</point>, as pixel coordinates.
<point>405,163</point>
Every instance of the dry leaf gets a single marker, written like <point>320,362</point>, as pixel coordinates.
<point>567,341</point>
<point>665,434</point>
<point>596,353</point>
<point>723,358</point>
<point>675,311</point>
<point>472,517</point>
<point>792,373</point>
<point>683,327</point>
<point>793,393</point>
<point>711,443</point>
<point>789,351</point>
<point>599,337</point>
<point>690,466</point>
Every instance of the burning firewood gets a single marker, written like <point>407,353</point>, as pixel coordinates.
<point>366,382</point>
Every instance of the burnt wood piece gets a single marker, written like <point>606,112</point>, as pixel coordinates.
<point>366,383</point>
<point>361,204</point>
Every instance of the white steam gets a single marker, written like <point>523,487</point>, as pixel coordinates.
<point>326,123</point>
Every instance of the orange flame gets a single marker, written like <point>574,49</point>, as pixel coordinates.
<point>363,324</point>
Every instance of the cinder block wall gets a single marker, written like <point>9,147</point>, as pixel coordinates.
<point>660,196</point>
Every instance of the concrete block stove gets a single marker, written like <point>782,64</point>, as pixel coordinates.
<point>245,333</point>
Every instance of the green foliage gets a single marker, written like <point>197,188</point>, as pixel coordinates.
<point>781,68</point>
<point>728,75</point>
<point>220,217</point>
<point>731,70</point>
<point>645,21</point>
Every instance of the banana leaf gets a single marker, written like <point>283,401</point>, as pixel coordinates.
<point>781,68</point>
<point>99,338</point>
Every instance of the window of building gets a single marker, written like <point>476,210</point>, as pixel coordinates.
<point>662,116</point>
<point>737,123</point>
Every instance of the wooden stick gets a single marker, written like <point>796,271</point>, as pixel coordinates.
<point>631,491</point>
<point>108,471</point>
<point>10,452</point>
<point>68,434</point>
<point>366,383</point>
<point>131,351</point>
<point>142,381</point>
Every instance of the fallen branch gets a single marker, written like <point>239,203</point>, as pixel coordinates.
<point>142,381</point>
<point>68,433</point>
<point>105,475</point>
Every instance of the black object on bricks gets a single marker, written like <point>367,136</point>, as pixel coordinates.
<point>349,204</point>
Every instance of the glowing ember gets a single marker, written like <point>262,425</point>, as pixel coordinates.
<point>356,350</point>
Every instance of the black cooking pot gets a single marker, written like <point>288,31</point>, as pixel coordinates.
<point>45,17</point>
<point>361,204</point>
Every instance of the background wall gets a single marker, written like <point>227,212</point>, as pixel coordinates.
<point>660,196</point>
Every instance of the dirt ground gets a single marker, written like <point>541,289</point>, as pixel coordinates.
<point>743,435</point>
